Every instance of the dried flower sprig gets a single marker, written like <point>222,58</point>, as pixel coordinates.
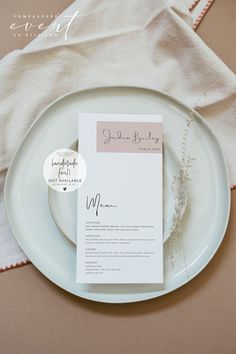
<point>179,189</point>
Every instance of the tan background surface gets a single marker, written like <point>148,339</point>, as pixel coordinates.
<point>37,317</point>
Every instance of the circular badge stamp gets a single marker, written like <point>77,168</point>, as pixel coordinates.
<point>64,170</point>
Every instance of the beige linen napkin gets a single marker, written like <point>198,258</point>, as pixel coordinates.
<point>137,43</point>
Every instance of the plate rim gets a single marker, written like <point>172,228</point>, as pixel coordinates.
<point>146,295</point>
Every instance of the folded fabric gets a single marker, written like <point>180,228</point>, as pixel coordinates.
<point>135,43</point>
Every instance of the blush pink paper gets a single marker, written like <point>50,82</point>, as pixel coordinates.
<point>129,137</point>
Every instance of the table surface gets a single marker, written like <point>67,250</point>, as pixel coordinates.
<point>38,317</point>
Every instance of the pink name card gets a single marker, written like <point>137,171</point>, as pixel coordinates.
<point>129,137</point>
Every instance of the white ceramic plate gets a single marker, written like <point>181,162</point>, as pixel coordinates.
<point>204,222</point>
<point>63,206</point>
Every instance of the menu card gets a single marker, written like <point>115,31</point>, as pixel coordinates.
<point>119,234</point>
